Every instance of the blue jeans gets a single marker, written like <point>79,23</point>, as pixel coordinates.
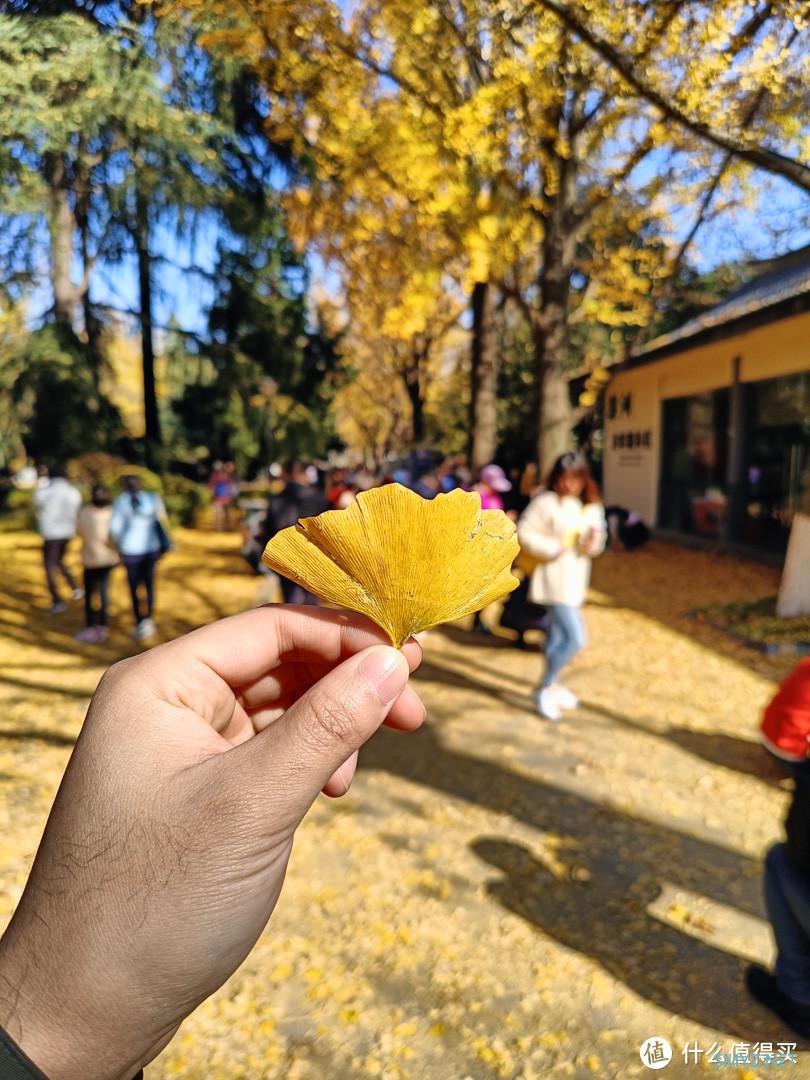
<point>787,900</point>
<point>566,636</point>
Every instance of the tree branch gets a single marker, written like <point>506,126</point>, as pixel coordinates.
<point>705,203</point>
<point>758,156</point>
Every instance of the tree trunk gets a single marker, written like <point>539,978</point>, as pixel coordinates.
<point>550,325</point>
<point>483,417</point>
<point>92,325</point>
<point>150,406</point>
<point>412,376</point>
<point>61,224</point>
<point>554,413</point>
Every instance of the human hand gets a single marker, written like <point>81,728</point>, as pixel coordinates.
<point>588,542</point>
<point>166,848</point>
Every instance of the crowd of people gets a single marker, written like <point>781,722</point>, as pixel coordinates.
<point>561,527</point>
<point>130,530</point>
<point>561,524</point>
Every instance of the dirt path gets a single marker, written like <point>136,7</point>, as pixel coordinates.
<point>497,897</point>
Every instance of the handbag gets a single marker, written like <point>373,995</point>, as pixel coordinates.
<point>528,563</point>
<point>163,537</point>
<point>522,614</point>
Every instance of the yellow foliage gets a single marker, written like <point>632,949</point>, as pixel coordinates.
<point>445,144</point>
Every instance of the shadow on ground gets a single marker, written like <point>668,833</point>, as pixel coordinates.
<point>24,618</point>
<point>616,864</point>
<point>741,755</point>
<point>32,734</point>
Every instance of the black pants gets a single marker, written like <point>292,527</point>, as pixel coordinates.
<point>96,580</point>
<point>141,571</point>
<point>797,821</point>
<point>54,555</point>
<point>293,593</point>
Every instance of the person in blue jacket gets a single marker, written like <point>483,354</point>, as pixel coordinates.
<point>138,530</point>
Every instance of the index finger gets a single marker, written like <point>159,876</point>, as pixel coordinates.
<point>242,648</point>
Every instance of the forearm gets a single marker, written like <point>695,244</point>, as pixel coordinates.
<point>541,545</point>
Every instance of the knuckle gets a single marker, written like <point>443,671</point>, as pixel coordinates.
<point>335,721</point>
<point>117,672</point>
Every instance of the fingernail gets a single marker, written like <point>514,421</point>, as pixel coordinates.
<point>387,671</point>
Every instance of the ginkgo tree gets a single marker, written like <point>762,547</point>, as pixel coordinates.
<point>500,145</point>
<point>427,144</point>
<point>732,74</point>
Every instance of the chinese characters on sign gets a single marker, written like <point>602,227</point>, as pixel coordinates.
<point>656,1053</point>
<point>622,406</point>
<point>632,440</point>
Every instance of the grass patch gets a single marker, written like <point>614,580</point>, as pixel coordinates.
<point>757,621</point>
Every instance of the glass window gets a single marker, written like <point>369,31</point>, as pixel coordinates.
<point>693,490</point>
<point>778,458</point>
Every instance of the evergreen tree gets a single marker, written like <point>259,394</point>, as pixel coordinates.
<point>267,378</point>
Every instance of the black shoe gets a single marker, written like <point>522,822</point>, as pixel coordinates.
<point>763,987</point>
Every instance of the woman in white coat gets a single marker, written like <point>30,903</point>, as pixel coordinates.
<point>561,530</point>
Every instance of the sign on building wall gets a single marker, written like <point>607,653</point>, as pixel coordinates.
<point>632,441</point>
<point>630,444</point>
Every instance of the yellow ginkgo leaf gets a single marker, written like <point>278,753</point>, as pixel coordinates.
<point>408,563</point>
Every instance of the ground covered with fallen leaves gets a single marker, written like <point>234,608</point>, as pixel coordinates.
<point>497,896</point>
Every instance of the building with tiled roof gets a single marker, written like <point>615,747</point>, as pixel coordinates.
<point>707,428</point>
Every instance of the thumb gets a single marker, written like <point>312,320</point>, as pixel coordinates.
<point>329,723</point>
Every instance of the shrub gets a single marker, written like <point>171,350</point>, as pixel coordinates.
<point>183,498</point>
<point>57,404</point>
<point>107,469</point>
<point>18,510</point>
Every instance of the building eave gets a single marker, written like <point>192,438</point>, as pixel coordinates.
<point>785,309</point>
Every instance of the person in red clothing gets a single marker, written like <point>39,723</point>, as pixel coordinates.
<point>786,724</point>
<point>785,733</point>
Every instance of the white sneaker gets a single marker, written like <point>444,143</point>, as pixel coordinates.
<point>545,701</point>
<point>143,630</point>
<point>566,698</point>
<point>77,594</point>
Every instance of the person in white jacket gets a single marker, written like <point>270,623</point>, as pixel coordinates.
<point>57,508</point>
<point>560,531</point>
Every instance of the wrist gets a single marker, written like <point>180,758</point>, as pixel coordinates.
<point>47,1020</point>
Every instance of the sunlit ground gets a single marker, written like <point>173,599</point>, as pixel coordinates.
<point>497,896</point>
